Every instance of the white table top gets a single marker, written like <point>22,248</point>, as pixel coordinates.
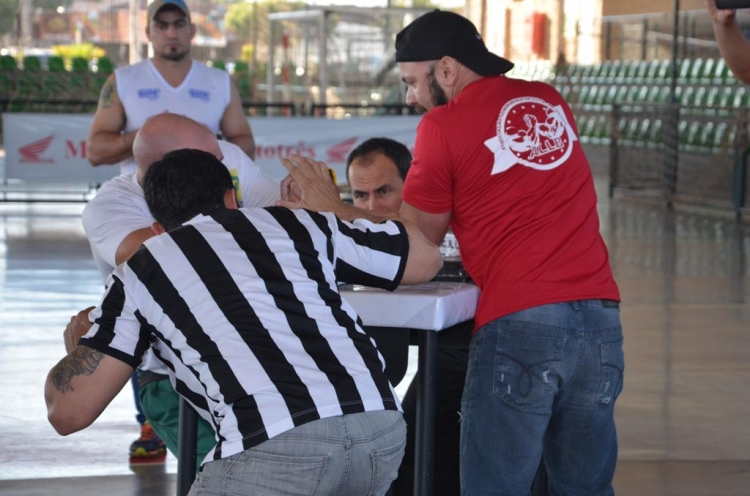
<point>430,306</point>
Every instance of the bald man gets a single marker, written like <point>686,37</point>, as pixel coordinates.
<point>113,242</point>
<point>117,221</point>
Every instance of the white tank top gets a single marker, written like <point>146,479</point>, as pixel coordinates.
<point>203,96</point>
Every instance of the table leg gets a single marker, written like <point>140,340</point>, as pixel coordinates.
<point>187,445</point>
<point>424,450</point>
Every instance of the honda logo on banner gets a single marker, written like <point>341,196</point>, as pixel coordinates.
<point>340,151</point>
<point>30,153</point>
<point>73,151</point>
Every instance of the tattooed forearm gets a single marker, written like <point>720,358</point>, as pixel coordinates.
<point>108,95</point>
<point>81,361</point>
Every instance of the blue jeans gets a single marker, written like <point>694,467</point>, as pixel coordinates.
<point>139,415</point>
<point>357,454</point>
<point>543,381</point>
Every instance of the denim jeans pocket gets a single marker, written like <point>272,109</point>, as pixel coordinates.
<point>385,465</point>
<point>273,473</point>
<point>526,371</point>
<point>613,366</point>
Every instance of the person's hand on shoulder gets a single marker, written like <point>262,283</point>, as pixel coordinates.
<point>78,326</point>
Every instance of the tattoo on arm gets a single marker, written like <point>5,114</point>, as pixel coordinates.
<point>81,361</point>
<point>109,94</point>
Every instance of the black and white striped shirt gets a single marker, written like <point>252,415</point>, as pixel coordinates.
<point>243,307</point>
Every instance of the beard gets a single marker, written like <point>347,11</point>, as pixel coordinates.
<point>173,55</point>
<point>437,95</point>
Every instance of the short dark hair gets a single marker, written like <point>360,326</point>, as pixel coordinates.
<point>394,150</point>
<point>183,184</point>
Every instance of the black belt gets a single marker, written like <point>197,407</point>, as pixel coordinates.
<point>147,377</point>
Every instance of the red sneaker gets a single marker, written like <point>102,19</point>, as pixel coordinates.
<point>149,448</point>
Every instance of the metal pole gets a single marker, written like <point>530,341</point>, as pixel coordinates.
<point>672,163</point>
<point>614,157</point>
<point>607,40</point>
<point>424,438</point>
<point>675,41</point>
<point>323,55</point>
<point>187,445</point>
<point>25,23</point>
<point>269,67</point>
<point>739,177</point>
<point>134,52</point>
<point>256,38</point>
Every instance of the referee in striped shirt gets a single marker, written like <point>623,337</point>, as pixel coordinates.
<point>242,306</point>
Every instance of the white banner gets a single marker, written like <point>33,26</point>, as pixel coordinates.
<point>329,140</point>
<point>51,148</point>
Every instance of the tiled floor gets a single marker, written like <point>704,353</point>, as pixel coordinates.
<point>682,418</point>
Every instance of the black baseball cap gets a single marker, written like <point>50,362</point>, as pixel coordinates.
<point>440,33</point>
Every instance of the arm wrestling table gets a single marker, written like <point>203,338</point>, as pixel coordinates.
<point>427,309</point>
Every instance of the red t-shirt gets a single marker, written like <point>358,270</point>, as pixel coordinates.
<point>504,157</point>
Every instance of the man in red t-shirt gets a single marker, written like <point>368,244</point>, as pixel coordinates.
<point>499,161</point>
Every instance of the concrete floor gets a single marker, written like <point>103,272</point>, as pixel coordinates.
<point>682,418</point>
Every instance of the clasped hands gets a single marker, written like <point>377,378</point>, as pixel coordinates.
<point>308,185</point>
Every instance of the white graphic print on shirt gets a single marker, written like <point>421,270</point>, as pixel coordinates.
<point>533,133</point>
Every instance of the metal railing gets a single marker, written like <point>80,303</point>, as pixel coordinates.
<point>345,110</point>
<point>681,154</point>
<point>251,108</point>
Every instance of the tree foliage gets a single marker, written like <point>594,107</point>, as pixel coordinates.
<point>239,19</point>
<point>8,11</point>
<point>426,4</point>
<point>85,50</point>
<point>248,21</point>
<point>49,5</point>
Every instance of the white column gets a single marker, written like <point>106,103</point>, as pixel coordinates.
<point>134,30</point>
<point>24,35</point>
